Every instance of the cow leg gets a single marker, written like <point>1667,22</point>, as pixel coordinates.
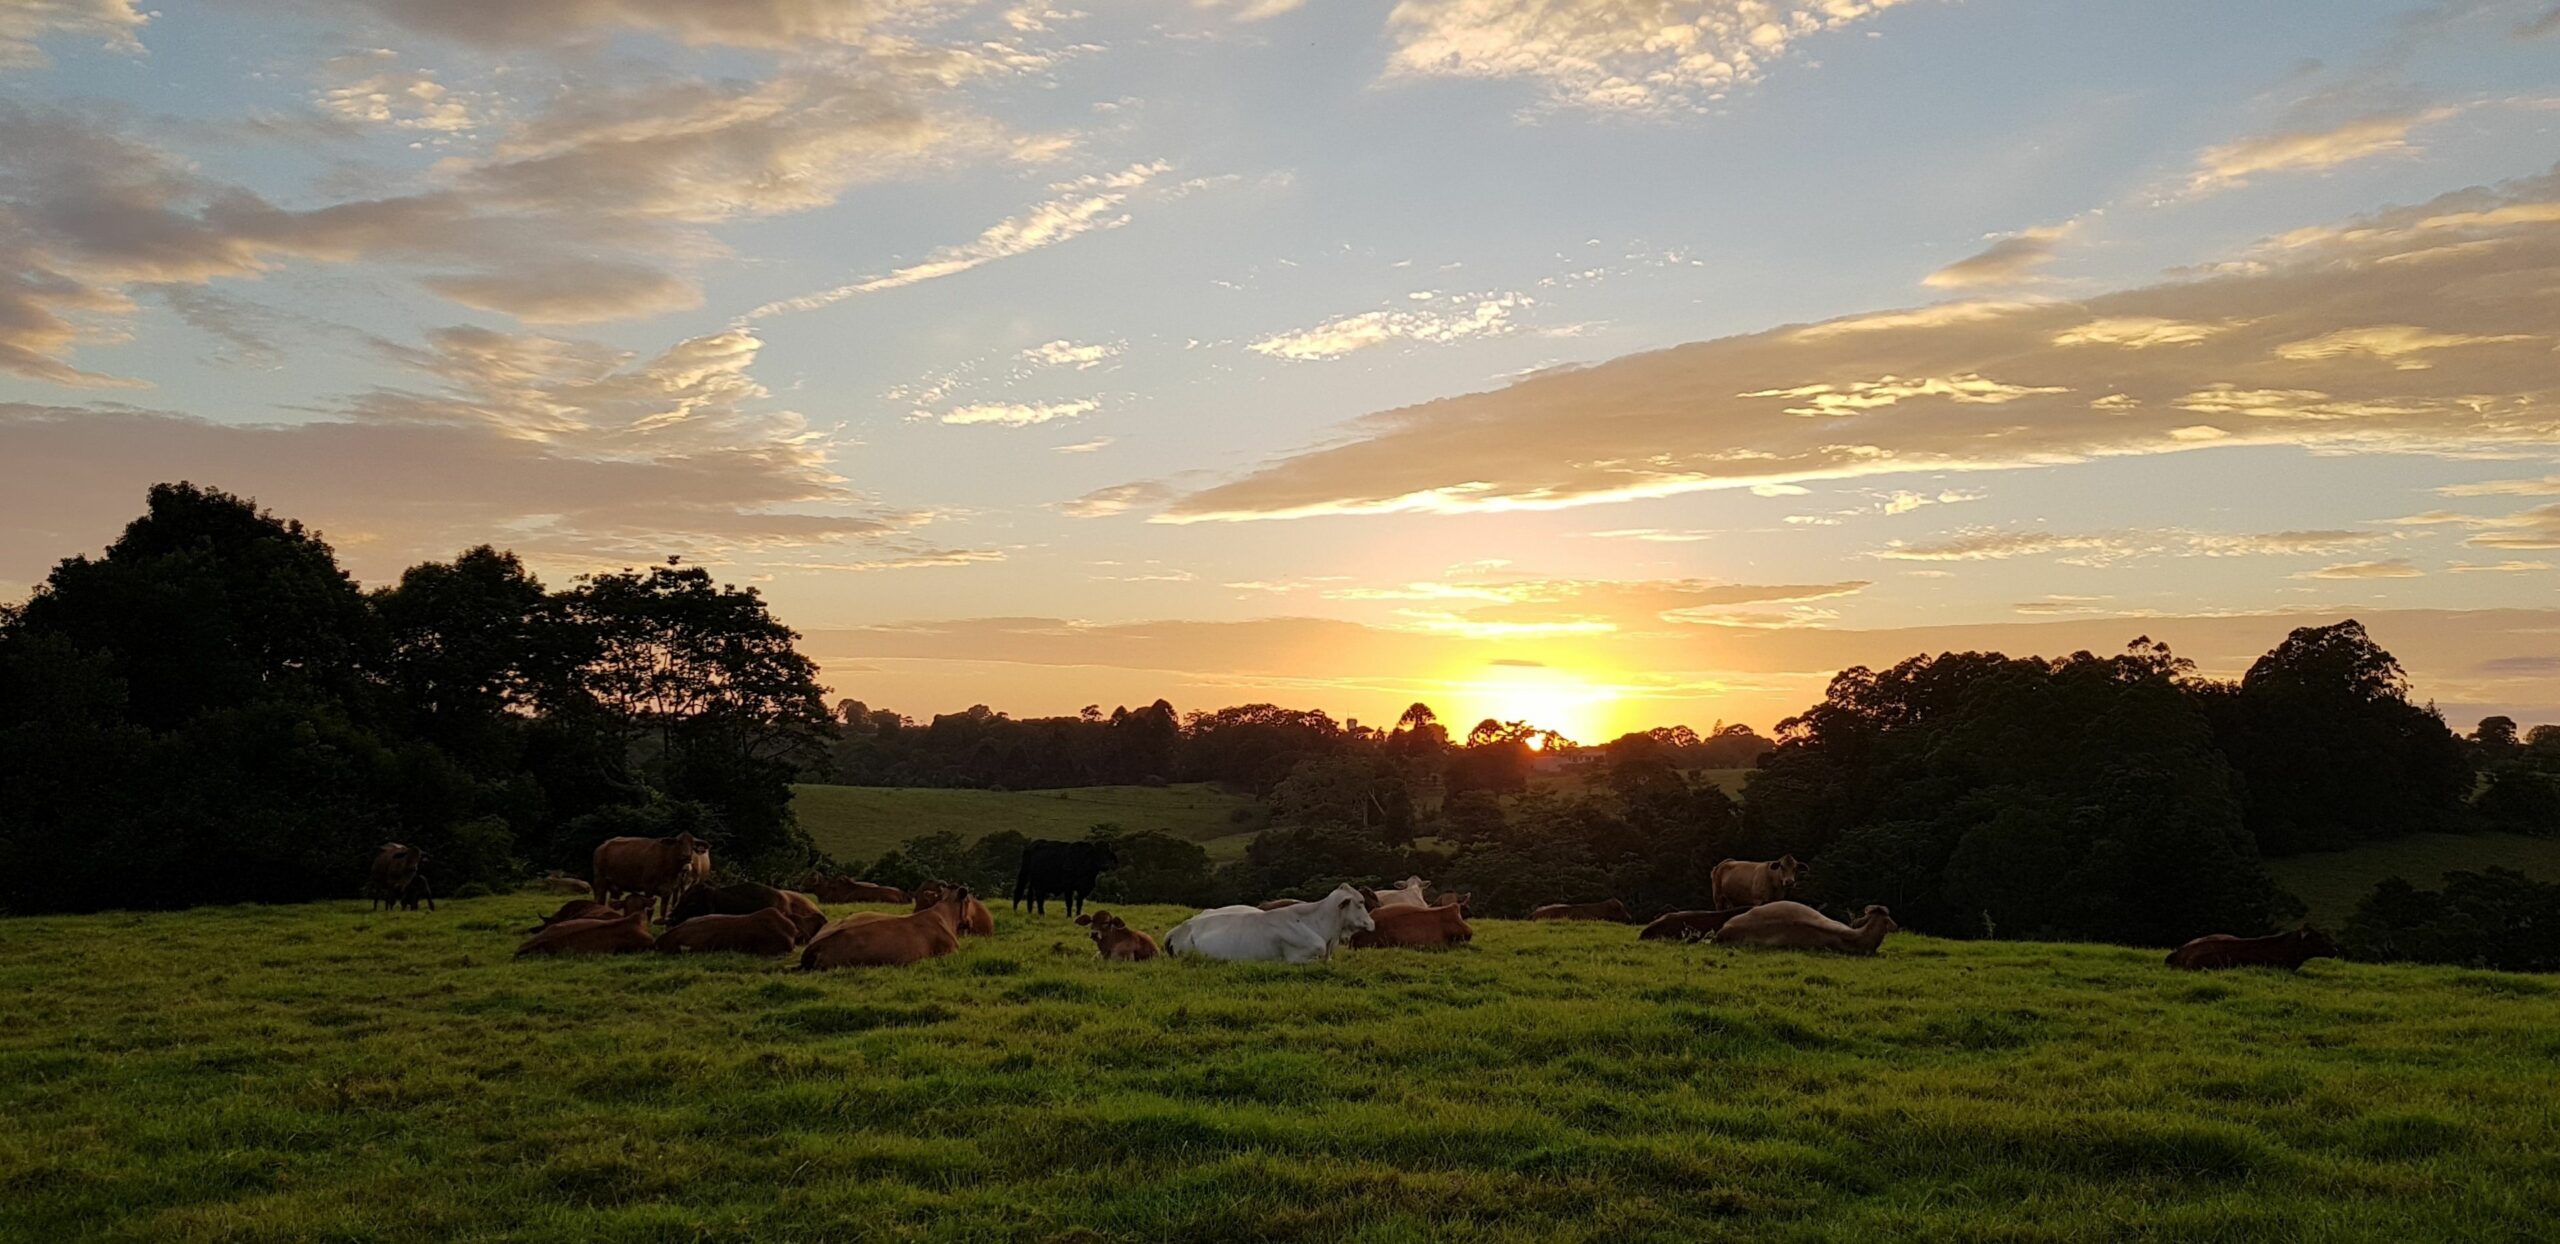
<point>429,891</point>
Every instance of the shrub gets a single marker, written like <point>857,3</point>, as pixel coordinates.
<point>2495,918</point>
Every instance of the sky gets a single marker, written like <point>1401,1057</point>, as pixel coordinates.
<point>1606,363</point>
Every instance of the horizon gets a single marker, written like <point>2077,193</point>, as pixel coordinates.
<point>1563,368</point>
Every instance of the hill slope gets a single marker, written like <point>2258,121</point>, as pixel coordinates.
<point>318,1072</point>
<point>866,822</point>
<point>2332,882</point>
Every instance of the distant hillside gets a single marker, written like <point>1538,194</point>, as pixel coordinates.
<point>865,822</point>
<point>2331,882</point>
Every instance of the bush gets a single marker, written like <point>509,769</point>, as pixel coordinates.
<point>2495,918</point>
<point>472,889</point>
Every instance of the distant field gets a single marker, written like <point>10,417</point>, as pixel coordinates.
<point>2331,882</point>
<point>866,822</point>
<point>315,1072</point>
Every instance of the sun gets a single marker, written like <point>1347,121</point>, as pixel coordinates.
<point>1542,695</point>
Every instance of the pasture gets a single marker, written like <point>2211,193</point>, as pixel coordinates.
<point>313,1072</point>
<point>866,822</point>
<point>2331,883</point>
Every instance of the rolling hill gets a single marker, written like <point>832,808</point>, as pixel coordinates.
<point>860,823</point>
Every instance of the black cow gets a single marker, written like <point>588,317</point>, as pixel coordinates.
<point>1052,869</point>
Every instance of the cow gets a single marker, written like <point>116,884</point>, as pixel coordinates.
<point>589,909</point>
<point>975,919</point>
<point>748,897</point>
<point>764,931</point>
<point>619,936</point>
<point>558,882</point>
<point>1053,869</point>
<point>1368,898</point>
<point>660,867</point>
<point>1116,940</point>
<point>2284,950</point>
<point>1607,909</point>
<point>397,879</point>
<point>1685,926</point>
<point>1798,927</point>
<point>883,940</point>
<point>1303,933</point>
<point>835,889</point>
<point>1749,883</point>
<point>1443,925</point>
<point>1405,893</point>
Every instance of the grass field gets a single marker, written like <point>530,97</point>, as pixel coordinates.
<point>2332,882</point>
<point>866,822</point>
<point>316,1072</point>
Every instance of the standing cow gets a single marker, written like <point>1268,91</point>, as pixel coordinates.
<point>1068,870</point>
<point>1749,883</point>
<point>397,879</point>
<point>659,867</point>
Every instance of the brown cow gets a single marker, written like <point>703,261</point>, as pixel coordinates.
<point>1400,925</point>
<point>660,867</point>
<point>765,931</point>
<point>977,921</point>
<point>1116,940</point>
<point>396,878</point>
<point>1610,909</point>
<point>835,889</point>
<point>2284,950</point>
<point>884,940</point>
<point>618,936</point>
<point>746,898</point>
<point>562,883</point>
<point>589,909</point>
<point>1683,926</point>
<point>1794,926</point>
<point>1749,883</point>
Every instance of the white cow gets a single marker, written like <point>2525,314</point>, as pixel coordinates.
<point>1301,933</point>
<point>1407,893</point>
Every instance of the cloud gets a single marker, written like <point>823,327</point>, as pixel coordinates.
<point>1083,447</point>
<point>1019,414</point>
<point>2012,260</point>
<point>1983,386</point>
<point>114,24</point>
<point>1063,353</point>
<point>779,25</point>
<point>2393,568</point>
<point>575,292</point>
<point>2510,566</point>
<point>2537,528</point>
<point>1628,56</point>
<point>372,88</point>
<point>1081,206</point>
<point>2233,163</point>
<point>1488,317</point>
<point>2546,486</point>
<point>2102,548</point>
<point>1117,499</point>
<point>2137,332</point>
<point>2397,344</point>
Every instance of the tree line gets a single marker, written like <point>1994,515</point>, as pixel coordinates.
<point>213,711</point>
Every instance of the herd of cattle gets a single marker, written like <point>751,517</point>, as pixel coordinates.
<point>636,879</point>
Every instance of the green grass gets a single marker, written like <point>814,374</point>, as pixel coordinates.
<point>315,1072</point>
<point>2330,883</point>
<point>866,822</point>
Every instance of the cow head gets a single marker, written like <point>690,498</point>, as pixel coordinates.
<point>1099,856</point>
<point>1618,911</point>
<point>1877,911</point>
<point>1346,900</point>
<point>2314,944</point>
<point>926,895</point>
<point>1785,872</point>
<point>953,899</point>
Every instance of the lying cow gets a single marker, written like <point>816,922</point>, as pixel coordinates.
<point>1798,927</point>
<point>589,909</point>
<point>1403,926</point>
<point>1405,893</point>
<point>1749,883</point>
<point>837,889</point>
<point>1608,909</point>
<point>975,919</point>
<point>619,936</point>
<point>1685,926</point>
<point>396,878</point>
<point>878,939</point>
<point>659,867</point>
<point>764,931</point>
<point>1116,940</point>
<point>559,882</point>
<point>2284,950</point>
<point>1300,933</point>
<point>746,898</point>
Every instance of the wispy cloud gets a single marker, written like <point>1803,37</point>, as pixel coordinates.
<point>1019,414</point>
<point>1472,317</point>
<point>2012,260</point>
<point>2233,163</point>
<point>2391,568</point>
